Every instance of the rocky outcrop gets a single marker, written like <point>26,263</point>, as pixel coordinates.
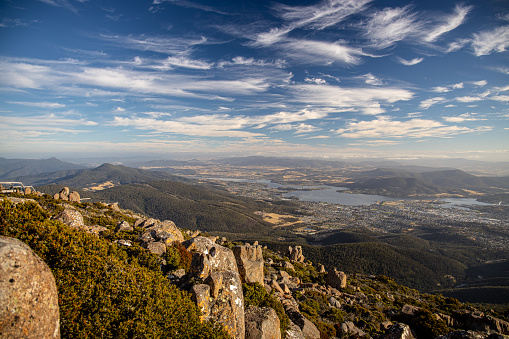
<point>336,279</point>
<point>478,321</point>
<point>158,235</point>
<point>295,253</point>
<point>220,298</point>
<point>349,328</point>
<point>123,226</point>
<point>250,263</point>
<point>65,195</point>
<point>262,323</point>
<point>399,331</point>
<point>307,328</point>
<point>71,218</point>
<point>28,293</point>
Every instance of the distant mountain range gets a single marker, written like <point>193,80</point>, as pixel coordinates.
<point>13,168</point>
<point>401,183</point>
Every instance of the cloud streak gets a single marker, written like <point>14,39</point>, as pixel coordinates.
<point>385,127</point>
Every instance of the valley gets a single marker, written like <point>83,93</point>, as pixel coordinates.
<point>417,238</point>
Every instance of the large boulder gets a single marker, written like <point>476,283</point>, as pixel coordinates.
<point>28,293</point>
<point>307,328</point>
<point>295,253</point>
<point>262,323</point>
<point>158,234</point>
<point>74,197</point>
<point>336,279</point>
<point>223,300</point>
<point>398,331</point>
<point>71,218</point>
<point>250,263</point>
<point>349,328</point>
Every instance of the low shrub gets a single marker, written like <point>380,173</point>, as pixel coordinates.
<point>104,290</point>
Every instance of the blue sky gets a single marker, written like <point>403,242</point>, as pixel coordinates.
<point>335,79</point>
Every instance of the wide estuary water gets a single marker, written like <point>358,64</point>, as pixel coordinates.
<point>337,195</point>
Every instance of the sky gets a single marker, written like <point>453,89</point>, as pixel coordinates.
<point>346,79</point>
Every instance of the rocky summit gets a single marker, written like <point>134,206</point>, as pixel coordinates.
<point>121,274</point>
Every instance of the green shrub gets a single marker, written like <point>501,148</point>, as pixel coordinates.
<point>104,292</point>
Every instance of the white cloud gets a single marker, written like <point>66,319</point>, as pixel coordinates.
<point>370,79</point>
<point>61,3</point>
<point>223,125</point>
<point>238,60</point>
<point>412,62</point>
<point>168,46</point>
<point>317,81</point>
<point>468,99</point>
<point>480,83</point>
<point>458,85</point>
<point>345,99</point>
<point>457,45</point>
<point>184,62</point>
<point>449,23</point>
<point>38,104</point>
<point>318,52</point>
<point>301,128</point>
<point>487,42</point>
<point>46,124</point>
<point>464,117</point>
<point>431,101</point>
<point>320,16</point>
<point>391,25</point>
<point>385,127</point>
<point>441,89</point>
<point>119,109</point>
<point>501,89</point>
<point>500,98</point>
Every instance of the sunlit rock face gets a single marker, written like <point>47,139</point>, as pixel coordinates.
<point>220,298</point>
<point>28,293</point>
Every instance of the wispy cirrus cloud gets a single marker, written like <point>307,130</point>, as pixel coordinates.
<point>465,117</point>
<point>385,127</point>
<point>386,27</point>
<point>367,100</point>
<point>411,62</point>
<point>100,81</point>
<point>316,17</point>
<point>320,16</point>
<point>431,101</point>
<point>468,99</point>
<point>37,125</point>
<point>319,52</point>
<point>489,41</point>
<point>62,3</point>
<point>38,104</point>
<point>224,125</point>
<point>172,46</point>
<point>448,23</point>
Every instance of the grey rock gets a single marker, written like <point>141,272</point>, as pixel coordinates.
<point>217,267</point>
<point>123,226</point>
<point>398,331</point>
<point>336,279</point>
<point>262,323</point>
<point>74,197</point>
<point>250,263</point>
<point>28,293</point>
<point>349,328</point>
<point>71,218</point>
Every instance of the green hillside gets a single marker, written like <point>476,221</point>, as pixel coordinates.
<point>189,206</point>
